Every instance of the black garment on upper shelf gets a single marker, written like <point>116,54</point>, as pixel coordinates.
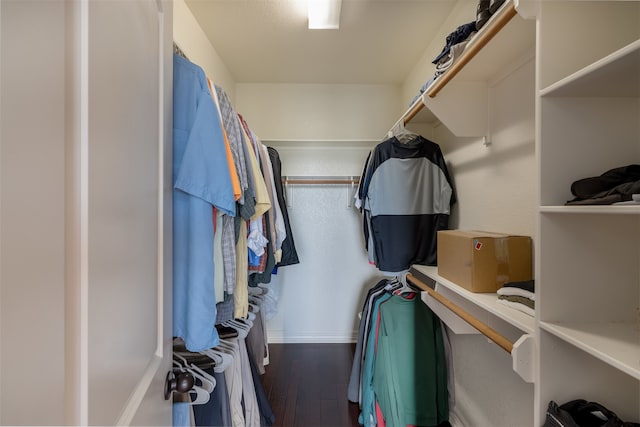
<point>456,36</point>
<point>615,185</point>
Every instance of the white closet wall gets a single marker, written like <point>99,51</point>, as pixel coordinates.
<point>188,35</point>
<point>496,189</point>
<point>321,130</point>
<point>312,112</point>
<point>32,221</point>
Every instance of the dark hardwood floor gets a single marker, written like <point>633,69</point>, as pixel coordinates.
<point>307,385</point>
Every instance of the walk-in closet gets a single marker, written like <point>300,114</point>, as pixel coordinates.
<point>211,214</point>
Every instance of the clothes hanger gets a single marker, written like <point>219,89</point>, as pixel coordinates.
<point>206,375</point>
<point>207,381</point>
<point>202,395</point>
<point>257,290</point>
<point>405,287</point>
<point>243,324</point>
<point>402,134</point>
<point>242,328</point>
<point>254,307</point>
<point>230,344</point>
<point>223,360</point>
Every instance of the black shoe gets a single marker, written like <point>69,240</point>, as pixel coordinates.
<point>580,413</point>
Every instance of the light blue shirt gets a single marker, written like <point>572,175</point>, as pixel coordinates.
<point>201,180</point>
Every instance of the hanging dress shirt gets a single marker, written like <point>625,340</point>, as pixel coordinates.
<point>201,180</point>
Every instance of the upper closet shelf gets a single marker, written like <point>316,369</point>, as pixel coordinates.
<point>459,97</point>
<point>616,75</point>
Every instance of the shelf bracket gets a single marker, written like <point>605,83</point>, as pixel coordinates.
<point>523,354</point>
<point>468,99</point>
<point>527,9</point>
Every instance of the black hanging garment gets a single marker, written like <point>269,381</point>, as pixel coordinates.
<point>407,197</point>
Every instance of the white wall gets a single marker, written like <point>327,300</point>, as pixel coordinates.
<point>32,222</point>
<point>321,296</point>
<point>318,111</point>
<point>321,130</point>
<point>495,184</point>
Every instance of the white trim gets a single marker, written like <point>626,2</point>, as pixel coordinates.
<point>277,337</point>
<point>84,213</point>
<point>160,183</point>
<point>139,393</point>
<point>332,144</point>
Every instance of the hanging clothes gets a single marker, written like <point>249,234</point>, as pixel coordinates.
<point>289,253</point>
<point>224,180</point>
<point>410,373</point>
<point>407,194</point>
<point>201,181</point>
<point>400,368</point>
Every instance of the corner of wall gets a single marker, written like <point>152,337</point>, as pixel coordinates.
<point>192,40</point>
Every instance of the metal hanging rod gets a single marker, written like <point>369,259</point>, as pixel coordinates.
<point>178,51</point>
<point>324,180</point>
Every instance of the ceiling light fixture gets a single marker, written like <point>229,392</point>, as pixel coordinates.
<point>324,14</point>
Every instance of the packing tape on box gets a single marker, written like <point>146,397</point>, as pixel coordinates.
<point>501,249</point>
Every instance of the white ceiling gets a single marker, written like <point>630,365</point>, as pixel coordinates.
<point>267,41</point>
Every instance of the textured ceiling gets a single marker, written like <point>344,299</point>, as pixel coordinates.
<point>267,41</point>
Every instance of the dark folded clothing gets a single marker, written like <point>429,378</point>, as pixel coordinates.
<point>587,188</point>
<point>456,36</point>
<point>527,285</point>
<point>621,193</point>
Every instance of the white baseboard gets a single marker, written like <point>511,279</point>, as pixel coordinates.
<point>279,338</point>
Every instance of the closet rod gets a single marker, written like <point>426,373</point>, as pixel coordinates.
<point>178,51</point>
<point>487,331</point>
<point>317,181</point>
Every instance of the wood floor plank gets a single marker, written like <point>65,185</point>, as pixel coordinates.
<point>307,385</point>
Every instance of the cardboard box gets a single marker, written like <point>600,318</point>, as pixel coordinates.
<point>482,261</point>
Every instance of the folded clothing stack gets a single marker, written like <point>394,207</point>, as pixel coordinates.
<point>614,186</point>
<point>519,295</point>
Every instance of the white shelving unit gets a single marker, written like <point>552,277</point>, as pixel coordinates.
<point>587,257</point>
<point>584,342</point>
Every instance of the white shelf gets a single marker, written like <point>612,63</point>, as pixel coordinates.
<point>616,75</point>
<point>462,106</point>
<point>486,301</point>
<point>615,343</point>
<point>592,209</point>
